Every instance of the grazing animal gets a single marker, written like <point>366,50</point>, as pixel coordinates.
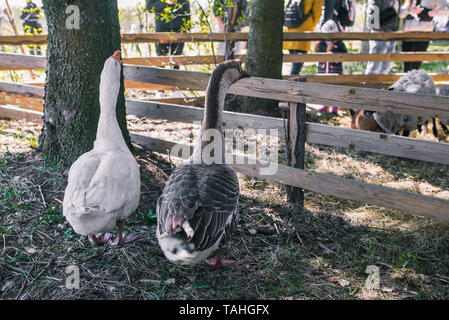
<point>104,184</point>
<point>364,120</point>
<point>198,208</point>
<point>415,81</point>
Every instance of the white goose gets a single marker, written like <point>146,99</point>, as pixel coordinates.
<point>198,208</point>
<point>104,184</point>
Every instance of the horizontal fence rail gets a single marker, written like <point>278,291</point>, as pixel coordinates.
<point>296,92</point>
<point>302,92</point>
<point>9,61</point>
<point>332,185</point>
<point>381,143</point>
<point>243,36</point>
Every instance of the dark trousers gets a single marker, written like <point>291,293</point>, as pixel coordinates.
<point>296,66</point>
<point>32,28</point>
<point>412,46</point>
<point>174,48</point>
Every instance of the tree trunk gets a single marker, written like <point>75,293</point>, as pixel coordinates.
<point>264,58</point>
<point>75,59</point>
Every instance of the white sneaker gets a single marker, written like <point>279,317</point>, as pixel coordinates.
<point>177,94</point>
<point>159,95</point>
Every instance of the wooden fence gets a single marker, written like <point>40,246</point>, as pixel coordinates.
<point>243,36</point>
<point>373,81</point>
<point>296,93</point>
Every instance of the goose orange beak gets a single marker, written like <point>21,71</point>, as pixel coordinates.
<point>116,55</point>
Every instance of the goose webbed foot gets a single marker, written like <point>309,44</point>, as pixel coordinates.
<point>218,262</point>
<point>122,239</point>
<point>100,238</point>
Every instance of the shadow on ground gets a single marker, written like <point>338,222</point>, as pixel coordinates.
<point>281,252</point>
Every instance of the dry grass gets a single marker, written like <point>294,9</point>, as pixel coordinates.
<point>281,252</point>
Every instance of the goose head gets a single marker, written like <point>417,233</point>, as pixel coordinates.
<point>110,80</point>
<point>222,78</point>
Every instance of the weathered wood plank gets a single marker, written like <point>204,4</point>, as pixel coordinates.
<point>16,113</point>
<point>302,92</point>
<point>381,143</point>
<point>331,185</point>
<point>296,151</point>
<point>436,36</point>
<point>243,36</point>
<point>23,89</point>
<point>135,85</point>
<point>181,101</point>
<point>356,191</point>
<point>341,96</point>
<point>360,78</point>
<point>309,57</point>
<point>23,60</point>
<point>175,78</point>
<point>364,57</point>
<point>30,103</point>
<point>18,40</point>
<point>174,60</point>
<point>188,114</point>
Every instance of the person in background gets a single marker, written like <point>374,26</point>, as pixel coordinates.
<point>330,12</point>
<point>231,17</point>
<point>326,46</point>
<point>313,9</point>
<point>382,16</point>
<point>329,22</point>
<point>30,16</point>
<point>418,15</point>
<point>170,16</point>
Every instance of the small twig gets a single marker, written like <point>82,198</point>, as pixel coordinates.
<point>35,278</point>
<point>22,220</point>
<point>169,158</point>
<point>11,267</point>
<point>211,32</point>
<point>91,257</point>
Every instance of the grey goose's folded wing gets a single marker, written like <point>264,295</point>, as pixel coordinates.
<point>203,196</point>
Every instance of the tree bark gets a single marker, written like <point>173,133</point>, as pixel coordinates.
<point>75,59</point>
<point>264,58</point>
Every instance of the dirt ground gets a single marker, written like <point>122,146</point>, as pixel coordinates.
<point>281,252</point>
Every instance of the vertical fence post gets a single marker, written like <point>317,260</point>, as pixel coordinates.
<point>296,140</point>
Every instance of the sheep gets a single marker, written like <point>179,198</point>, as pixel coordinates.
<point>415,81</point>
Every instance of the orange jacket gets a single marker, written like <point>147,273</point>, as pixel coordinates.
<point>308,25</point>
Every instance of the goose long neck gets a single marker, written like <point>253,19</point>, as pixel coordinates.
<point>214,105</point>
<point>109,135</point>
<point>212,122</point>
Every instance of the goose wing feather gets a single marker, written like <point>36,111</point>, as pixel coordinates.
<point>105,182</point>
<point>206,196</point>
